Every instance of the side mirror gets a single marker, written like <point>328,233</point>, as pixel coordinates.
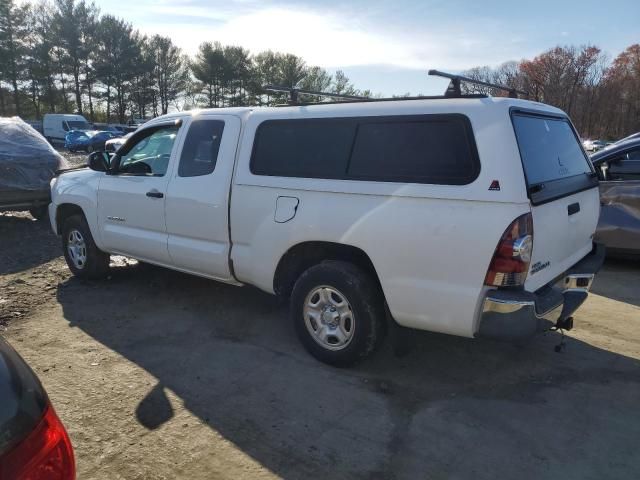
<point>99,161</point>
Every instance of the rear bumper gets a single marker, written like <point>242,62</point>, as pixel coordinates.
<point>518,314</point>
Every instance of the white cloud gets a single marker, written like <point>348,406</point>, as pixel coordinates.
<point>321,39</point>
<point>328,40</point>
<point>331,40</point>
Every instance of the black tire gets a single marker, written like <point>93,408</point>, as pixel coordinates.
<point>90,149</point>
<point>39,213</point>
<point>365,299</point>
<point>96,262</point>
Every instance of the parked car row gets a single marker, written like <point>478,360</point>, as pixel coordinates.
<point>593,146</point>
<point>88,140</point>
<point>80,135</point>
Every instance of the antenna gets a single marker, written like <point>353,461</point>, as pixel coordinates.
<point>454,90</point>
<point>294,92</point>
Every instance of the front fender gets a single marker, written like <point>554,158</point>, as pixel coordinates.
<point>78,188</point>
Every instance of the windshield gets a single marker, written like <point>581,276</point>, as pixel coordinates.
<point>549,148</point>
<point>78,125</point>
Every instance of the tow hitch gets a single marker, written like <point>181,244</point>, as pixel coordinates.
<point>561,326</point>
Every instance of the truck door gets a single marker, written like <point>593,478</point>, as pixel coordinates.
<point>197,203</point>
<point>131,199</point>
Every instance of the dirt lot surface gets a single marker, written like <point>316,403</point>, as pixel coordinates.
<point>158,375</point>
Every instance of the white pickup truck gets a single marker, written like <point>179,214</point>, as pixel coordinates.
<point>467,216</point>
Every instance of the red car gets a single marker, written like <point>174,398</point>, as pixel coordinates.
<point>34,444</point>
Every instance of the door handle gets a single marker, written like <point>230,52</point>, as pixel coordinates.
<point>573,208</point>
<point>155,194</point>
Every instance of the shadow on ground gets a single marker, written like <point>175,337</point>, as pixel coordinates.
<point>450,408</point>
<point>25,243</point>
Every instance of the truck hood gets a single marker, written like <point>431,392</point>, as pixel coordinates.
<point>68,181</point>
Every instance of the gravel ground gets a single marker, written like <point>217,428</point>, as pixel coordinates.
<point>159,375</point>
<point>75,159</point>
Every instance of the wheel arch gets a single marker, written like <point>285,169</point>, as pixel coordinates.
<point>66,210</point>
<point>304,255</point>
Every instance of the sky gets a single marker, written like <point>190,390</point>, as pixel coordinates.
<point>388,46</point>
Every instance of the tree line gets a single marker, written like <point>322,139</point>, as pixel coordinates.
<point>65,56</point>
<point>602,97</point>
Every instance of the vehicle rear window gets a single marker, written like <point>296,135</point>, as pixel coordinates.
<point>549,149</point>
<point>423,151</point>
<point>438,149</point>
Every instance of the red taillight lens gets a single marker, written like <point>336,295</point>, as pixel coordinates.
<point>510,262</point>
<point>46,454</point>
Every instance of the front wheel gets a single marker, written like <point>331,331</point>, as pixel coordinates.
<point>90,149</point>
<point>338,312</point>
<point>84,258</point>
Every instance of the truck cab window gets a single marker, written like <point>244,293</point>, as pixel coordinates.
<point>150,154</point>
<point>200,150</point>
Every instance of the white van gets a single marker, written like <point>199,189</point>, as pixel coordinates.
<point>472,216</point>
<point>56,125</point>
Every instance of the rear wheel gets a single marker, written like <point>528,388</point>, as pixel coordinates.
<point>90,149</point>
<point>84,258</point>
<point>338,313</point>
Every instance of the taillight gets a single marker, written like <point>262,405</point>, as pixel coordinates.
<point>45,454</point>
<point>510,262</point>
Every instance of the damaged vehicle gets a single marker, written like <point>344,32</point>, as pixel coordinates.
<point>618,168</point>
<point>28,163</point>
<point>88,141</point>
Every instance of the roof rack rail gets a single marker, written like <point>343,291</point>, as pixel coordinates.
<point>351,98</point>
<point>454,90</point>
<point>294,92</point>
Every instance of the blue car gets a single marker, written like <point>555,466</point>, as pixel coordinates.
<point>89,141</point>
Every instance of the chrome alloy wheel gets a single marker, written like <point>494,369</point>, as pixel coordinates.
<point>77,249</point>
<point>329,318</point>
